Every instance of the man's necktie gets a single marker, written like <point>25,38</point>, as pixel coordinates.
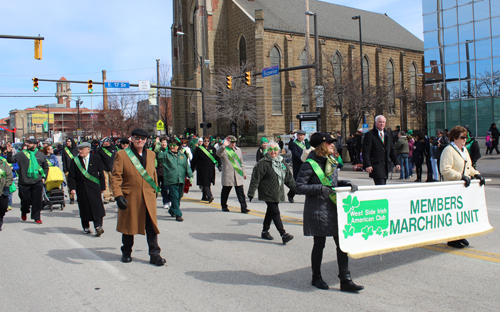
<point>381,136</point>
<point>85,163</point>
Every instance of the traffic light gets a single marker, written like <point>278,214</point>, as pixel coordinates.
<point>38,49</point>
<point>89,86</point>
<point>229,81</point>
<point>248,78</point>
<point>35,84</point>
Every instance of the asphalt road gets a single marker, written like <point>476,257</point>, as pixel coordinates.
<point>218,262</point>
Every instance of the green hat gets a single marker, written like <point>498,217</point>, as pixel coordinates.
<point>264,140</point>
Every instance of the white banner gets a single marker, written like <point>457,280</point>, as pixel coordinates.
<point>380,219</point>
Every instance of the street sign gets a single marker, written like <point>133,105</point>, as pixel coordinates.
<point>116,84</point>
<point>160,125</point>
<point>270,71</point>
<point>144,85</point>
<point>365,128</point>
<point>319,92</point>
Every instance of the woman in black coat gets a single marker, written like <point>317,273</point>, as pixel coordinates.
<point>418,154</point>
<point>205,167</point>
<point>320,212</point>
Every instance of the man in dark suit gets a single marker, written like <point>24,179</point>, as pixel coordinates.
<point>378,151</point>
<point>86,180</point>
<point>297,147</point>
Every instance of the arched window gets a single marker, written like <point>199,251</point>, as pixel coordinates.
<point>390,87</point>
<point>413,81</point>
<point>366,71</point>
<point>275,82</point>
<point>243,50</point>
<point>304,81</point>
<point>337,79</point>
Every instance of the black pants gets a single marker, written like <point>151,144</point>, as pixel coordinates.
<point>4,204</point>
<point>207,193</point>
<point>86,224</point>
<point>317,257</point>
<point>151,236</point>
<point>273,214</point>
<point>239,192</point>
<point>31,196</point>
<point>418,169</point>
<point>495,147</point>
<point>380,181</point>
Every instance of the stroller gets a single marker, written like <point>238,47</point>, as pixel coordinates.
<point>53,193</point>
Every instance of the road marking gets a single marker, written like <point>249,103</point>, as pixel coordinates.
<point>98,261</point>
<point>466,252</point>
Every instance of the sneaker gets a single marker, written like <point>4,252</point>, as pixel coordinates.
<point>286,238</point>
<point>86,231</point>
<point>98,231</point>
<point>266,235</point>
<point>9,208</point>
<point>112,200</point>
<point>166,206</point>
<point>23,217</point>
<point>105,201</point>
<point>38,221</point>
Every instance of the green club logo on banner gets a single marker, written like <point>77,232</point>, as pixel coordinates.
<point>368,217</point>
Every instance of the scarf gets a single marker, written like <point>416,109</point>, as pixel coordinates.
<point>33,169</point>
<point>331,164</point>
<point>279,168</point>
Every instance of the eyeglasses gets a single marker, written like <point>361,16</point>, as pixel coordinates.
<point>273,149</point>
<point>138,138</point>
<point>463,137</point>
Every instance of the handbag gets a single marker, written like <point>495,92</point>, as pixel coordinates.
<point>12,188</point>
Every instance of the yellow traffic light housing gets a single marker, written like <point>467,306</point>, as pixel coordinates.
<point>38,49</point>
<point>35,84</point>
<point>248,78</point>
<point>89,86</point>
<point>229,81</point>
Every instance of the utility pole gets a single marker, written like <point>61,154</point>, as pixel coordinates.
<point>104,92</point>
<point>307,34</point>
<point>158,89</point>
<point>78,103</point>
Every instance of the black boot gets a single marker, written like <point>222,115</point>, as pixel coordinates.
<point>346,284</point>
<point>318,281</point>
<point>1,223</point>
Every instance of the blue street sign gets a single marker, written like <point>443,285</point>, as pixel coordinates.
<point>116,84</point>
<point>270,71</point>
<point>365,128</point>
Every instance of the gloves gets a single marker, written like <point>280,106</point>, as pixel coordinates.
<point>191,180</point>
<point>327,190</point>
<point>307,144</point>
<point>353,186</point>
<point>121,202</point>
<point>250,198</point>
<point>480,177</point>
<point>466,179</point>
<point>220,168</point>
<point>6,191</point>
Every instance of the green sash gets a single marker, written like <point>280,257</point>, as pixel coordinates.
<point>85,172</point>
<point>208,154</point>
<point>49,163</point>
<point>232,155</point>
<point>302,146</point>
<point>3,174</point>
<point>69,153</point>
<point>107,152</point>
<point>321,175</point>
<point>40,169</point>
<point>141,169</point>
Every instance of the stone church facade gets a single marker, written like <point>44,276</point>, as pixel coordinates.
<point>272,32</point>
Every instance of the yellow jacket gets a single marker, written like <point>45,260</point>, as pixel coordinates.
<point>452,164</point>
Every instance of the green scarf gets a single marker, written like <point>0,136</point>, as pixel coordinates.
<point>331,164</point>
<point>34,168</point>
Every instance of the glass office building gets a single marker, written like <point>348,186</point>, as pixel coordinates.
<point>462,63</point>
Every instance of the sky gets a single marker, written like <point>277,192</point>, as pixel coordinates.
<point>125,38</point>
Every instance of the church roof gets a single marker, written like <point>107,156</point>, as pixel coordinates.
<point>334,21</point>
<point>63,79</point>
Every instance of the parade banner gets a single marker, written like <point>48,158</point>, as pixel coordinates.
<point>385,218</point>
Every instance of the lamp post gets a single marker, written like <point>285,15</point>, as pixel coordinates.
<point>48,122</point>
<point>358,17</point>
<point>78,103</point>
<point>202,64</point>
<point>158,89</point>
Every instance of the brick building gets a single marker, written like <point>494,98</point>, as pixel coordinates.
<point>272,32</point>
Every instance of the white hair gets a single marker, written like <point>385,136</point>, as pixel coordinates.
<point>378,117</point>
<point>272,143</point>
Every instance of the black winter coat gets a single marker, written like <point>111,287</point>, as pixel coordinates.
<point>107,161</point>
<point>24,163</point>
<point>320,213</point>
<point>296,155</point>
<point>204,166</point>
<point>418,152</point>
<point>66,160</point>
<point>378,154</point>
<point>88,193</point>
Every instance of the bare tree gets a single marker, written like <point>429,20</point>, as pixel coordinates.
<point>237,105</point>
<point>121,116</point>
<point>165,95</point>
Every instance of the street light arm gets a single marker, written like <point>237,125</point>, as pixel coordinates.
<point>180,33</point>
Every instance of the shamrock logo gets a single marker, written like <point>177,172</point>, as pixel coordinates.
<point>349,203</point>
<point>379,231</point>
<point>367,232</point>
<point>349,231</point>
<point>384,234</point>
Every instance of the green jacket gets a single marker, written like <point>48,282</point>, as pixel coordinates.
<point>175,167</point>
<point>8,179</point>
<point>265,180</point>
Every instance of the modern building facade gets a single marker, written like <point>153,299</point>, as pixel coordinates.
<point>462,63</point>
<point>272,32</point>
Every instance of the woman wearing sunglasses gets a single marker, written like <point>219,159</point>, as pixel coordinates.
<point>456,165</point>
<point>175,170</point>
<point>204,162</point>
<point>269,176</point>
